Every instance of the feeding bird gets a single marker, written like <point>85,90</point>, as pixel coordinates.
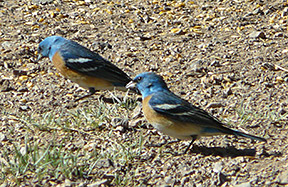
<point>82,66</point>
<point>174,116</point>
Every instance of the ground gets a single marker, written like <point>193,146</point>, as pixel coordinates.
<point>227,57</point>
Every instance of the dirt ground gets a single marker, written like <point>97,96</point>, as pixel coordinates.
<point>228,57</point>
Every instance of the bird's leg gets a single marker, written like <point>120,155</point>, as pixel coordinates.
<point>91,92</point>
<point>194,137</point>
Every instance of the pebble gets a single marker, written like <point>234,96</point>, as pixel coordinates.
<point>2,137</point>
<point>227,92</point>
<point>197,65</point>
<point>206,59</point>
<point>6,45</point>
<point>217,167</point>
<point>257,11</point>
<point>244,184</point>
<point>283,177</point>
<point>215,63</point>
<point>214,105</point>
<point>24,108</point>
<point>168,180</point>
<point>285,12</point>
<point>67,182</point>
<point>257,34</point>
<point>119,128</point>
<point>137,122</point>
<point>279,34</point>
<point>42,2</point>
<point>98,183</point>
<point>23,151</point>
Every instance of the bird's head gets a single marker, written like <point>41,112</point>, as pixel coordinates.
<point>48,46</point>
<point>147,83</point>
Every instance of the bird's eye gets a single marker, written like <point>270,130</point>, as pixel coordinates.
<point>49,48</point>
<point>138,79</point>
<point>39,49</point>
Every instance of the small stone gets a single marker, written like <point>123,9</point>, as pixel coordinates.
<point>2,137</point>
<point>267,11</point>
<point>257,34</point>
<point>137,112</point>
<point>67,182</point>
<point>283,177</point>
<point>168,179</point>
<point>23,151</point>
<point>137,122</point>
<point>244,184</point>
<point>98,183</point>
<point>197,66</point>
<point>257,11</point>
<point>23,89</point>
<point>214,105</point>
<point>248,14</point>
<point>217,167</point>
<point>143,38</point>
<point>42,2</point>
<point>227,92</point>
<point>215,63</point>
<point>120,128</point>
<point>279,34</point>
<point>285,51</point>
<point>282,111</point>
<point>6,45</point>
<point>103,163</point>
<point>24,108</point>
<point>285,12</point>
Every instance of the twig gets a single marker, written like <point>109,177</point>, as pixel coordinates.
<point>279,67</point>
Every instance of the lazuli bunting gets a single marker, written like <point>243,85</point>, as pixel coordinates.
<point>79,64</point>
<point>174,116</point>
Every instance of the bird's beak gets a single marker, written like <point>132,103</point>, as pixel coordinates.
<point>39,57</point>
<point>131,85</point>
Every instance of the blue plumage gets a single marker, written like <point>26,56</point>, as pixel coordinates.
<point>174,116</point>
<point>82,66</point>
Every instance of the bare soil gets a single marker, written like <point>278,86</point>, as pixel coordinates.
<point>228,57</point>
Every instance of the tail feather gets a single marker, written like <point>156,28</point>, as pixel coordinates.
<point>224,130</point>
<point>238,133</point>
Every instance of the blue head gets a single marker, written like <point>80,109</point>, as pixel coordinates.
<point>49,46</point>
<point>148,83</point>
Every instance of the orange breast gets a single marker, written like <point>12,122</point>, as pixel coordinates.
<point>152,116</point>
<point>171,127</point>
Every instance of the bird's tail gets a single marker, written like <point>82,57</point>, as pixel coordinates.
<point>238,133</point>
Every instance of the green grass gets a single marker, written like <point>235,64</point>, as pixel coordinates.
<point>83,145</point>
<point>51,159</point>
<point>247,114</point>
<point>49,148</point>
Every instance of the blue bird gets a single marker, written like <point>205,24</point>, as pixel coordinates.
<point>81,65</point>
<point>174,116</point>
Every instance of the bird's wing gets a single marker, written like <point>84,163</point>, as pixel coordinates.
<point>172,106</point>
<point>82,60</point>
